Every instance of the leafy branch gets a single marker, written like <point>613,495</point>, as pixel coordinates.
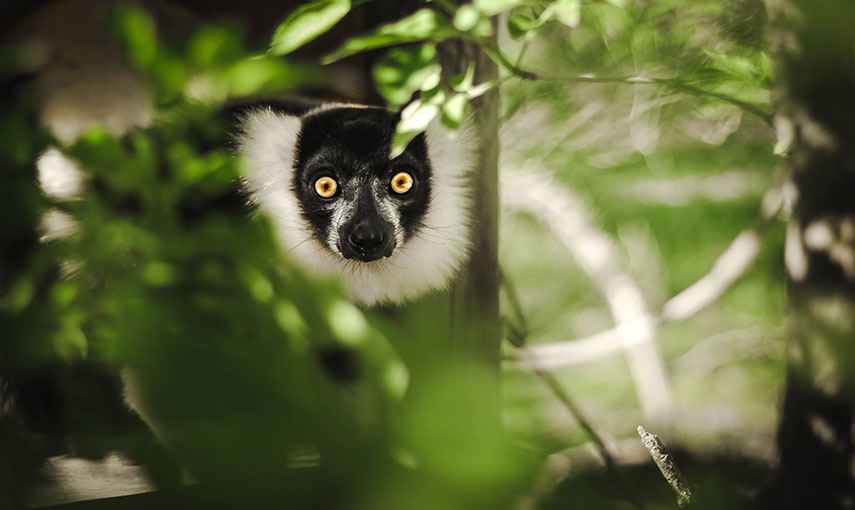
<point>405,71</point>
<point>676,84</point>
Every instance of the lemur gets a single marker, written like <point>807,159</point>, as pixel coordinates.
<point>390,228</point>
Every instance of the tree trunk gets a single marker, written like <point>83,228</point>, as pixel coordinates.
<point>814,54</point>
<point>463,326</point>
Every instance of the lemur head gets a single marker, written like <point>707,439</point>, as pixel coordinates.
<point>390,228</point>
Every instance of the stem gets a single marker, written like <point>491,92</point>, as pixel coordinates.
<point>496,55</point>
<point>521,326</point>
<point>564,397</point>
<point>525,44</point>
<point>641,80</point>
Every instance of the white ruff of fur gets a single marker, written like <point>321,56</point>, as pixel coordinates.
<point>427,261</point>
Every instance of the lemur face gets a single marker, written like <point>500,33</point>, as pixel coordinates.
<point>389,229</point>
<point>360,203</point>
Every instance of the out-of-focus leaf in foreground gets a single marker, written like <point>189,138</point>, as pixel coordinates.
<point>306,23</point>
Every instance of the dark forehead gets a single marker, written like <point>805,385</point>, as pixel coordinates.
<point>352,131</point>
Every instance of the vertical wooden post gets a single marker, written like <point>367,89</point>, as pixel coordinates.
<point>813,47</point>
<point>465,320</point>
<point>475,295</point>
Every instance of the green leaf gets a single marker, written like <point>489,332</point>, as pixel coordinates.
<point>454,111</point>
<point>214,46</point>
<point>158,274</point>
<point>414,119</point>
<point>306,23</point>
<point>20,294</point>
<point>567,12</point>
<point>481,89</point>
<point>750,68</point>
<point>254,76</point>
<point>466,18</point>
<point>424,24</point>
<point>139,32</point>
<point>348,323</point>
<point>520,24</point>
<point>491,7</point>
<point>463,81</point>
<point>484,28</point>
<point>405,70</point>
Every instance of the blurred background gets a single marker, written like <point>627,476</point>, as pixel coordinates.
<point>642,186</point>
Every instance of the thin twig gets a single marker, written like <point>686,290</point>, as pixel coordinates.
<point>563,396</point>
<point>674,83</point>
<point>499,58</point>
<point>523,49</point>
<point>667,465</point>
<point>519,327</point>
<point>492,50</point>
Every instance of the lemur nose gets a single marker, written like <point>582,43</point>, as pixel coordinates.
<point>368,239</point>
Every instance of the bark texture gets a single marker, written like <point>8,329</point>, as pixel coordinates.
<point>813,45</point>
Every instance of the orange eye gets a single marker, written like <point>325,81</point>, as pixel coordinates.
<point>402,182</point>
<point>326,186</point>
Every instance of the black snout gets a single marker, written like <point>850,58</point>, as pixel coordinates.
<point>366,240</point>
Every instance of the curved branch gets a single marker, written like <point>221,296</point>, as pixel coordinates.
<point>569,219</point>
<point>726,270</point>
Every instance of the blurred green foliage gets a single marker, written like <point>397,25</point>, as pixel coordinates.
<point>242,361</point>
<point>238,360</point>
<point>672,167</point>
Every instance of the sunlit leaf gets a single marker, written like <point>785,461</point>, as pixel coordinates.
<point>491,7</point>
<point>454,111</point>
<point>523,25</point>
<point>424,24</point>
<point>752,68</point>
<point>395,378</point>
<point>306,23</point>
<point>567,12</point>
<point>253,76</point>
<point>481,89</point>
<point>463,81</point>
<point>484,28</point>
<point>466,18</point>
<point>414,119</point>
<point>347,322</point>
